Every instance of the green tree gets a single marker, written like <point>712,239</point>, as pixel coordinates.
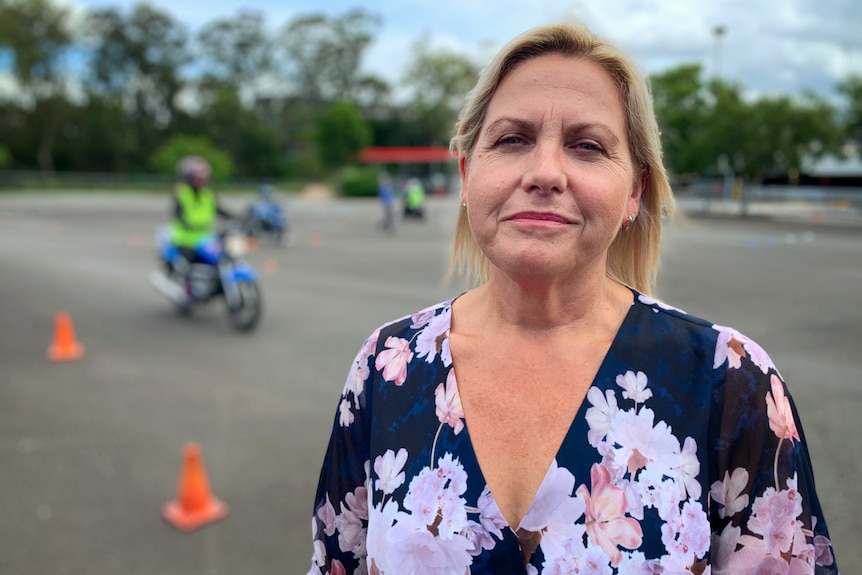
<point>36,36</point>
<point>851,89</point>
<point>236,51</point>
<point>681,108</point>
<point>137,58</point>
<point>99,137</point>
<point>784,131</point>
<point>323,55</point>
<point>439,80</point>
<point>341,133</point>
<point>165,159</point>
<point>240,130</point>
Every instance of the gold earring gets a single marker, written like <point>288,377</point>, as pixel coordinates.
<point>627,224</point>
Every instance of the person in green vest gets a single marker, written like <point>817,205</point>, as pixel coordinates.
<point>195,209</point>
<point>414,199</point>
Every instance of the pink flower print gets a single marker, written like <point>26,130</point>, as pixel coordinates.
<point>345,415</point>
<point>388,468</point>
<point>642,443</point>
<point>758,356</point>
<point>351,522</point>
<point>778,410</point>
<point>434,497</point>
<point>445,352</point>
<point>823,551</point>
<point>419,551</point>
<point>753,557</point>
<point>634,386</point>
<point>599,416</point>
<point>422,318</point>
<point>381,519</point>
<point>774,518</point>
<point>730,493</point>
<point>452,470</point>
<point>326,514</point>
<point>606,523</point>
<point>489,514</point>
<point>394,359</point>
<point>448,403</point>
<point>594,562</point>
<point>694,531</point>
<point>688,470</point>
<point>422,498</point>
<point>654,302</point>
<point>553,513</point>
<point>728,347</point>
<point>478,537</point>
<point>359,370</point>
<point>429,339</point>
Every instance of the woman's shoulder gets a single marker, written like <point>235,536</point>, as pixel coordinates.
<point>728,343</point>
<point>406,326</point>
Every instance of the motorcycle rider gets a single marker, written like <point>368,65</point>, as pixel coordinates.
<point>195,211</point>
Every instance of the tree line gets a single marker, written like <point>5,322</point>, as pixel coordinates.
<point>130,90</point>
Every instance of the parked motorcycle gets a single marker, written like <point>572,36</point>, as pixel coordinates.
<point>220,270</point>
<point>266,217</point>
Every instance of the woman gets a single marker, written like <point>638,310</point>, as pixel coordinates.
<point>556,419</point>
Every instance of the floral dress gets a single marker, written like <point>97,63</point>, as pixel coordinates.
<point>686,456</point>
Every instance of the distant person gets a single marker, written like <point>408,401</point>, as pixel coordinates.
<point>386,193</point>
<point>556,418</point>
<point>414,199</point>
<point>195,209</point>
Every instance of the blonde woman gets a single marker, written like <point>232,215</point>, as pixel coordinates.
<point>556,418</point>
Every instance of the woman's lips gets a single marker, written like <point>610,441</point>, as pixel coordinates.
<point>540,216</point>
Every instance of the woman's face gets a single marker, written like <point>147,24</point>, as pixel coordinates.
<point>551,178</point>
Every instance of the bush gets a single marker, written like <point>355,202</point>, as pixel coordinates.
<point>5,157</point>
<point>359,182</point>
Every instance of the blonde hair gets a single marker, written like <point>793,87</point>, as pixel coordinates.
<point>633,255</point>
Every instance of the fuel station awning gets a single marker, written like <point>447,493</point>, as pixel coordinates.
<point>406,155</point>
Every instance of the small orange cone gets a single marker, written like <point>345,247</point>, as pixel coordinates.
<point>195,505</point>
<point>64,347</point>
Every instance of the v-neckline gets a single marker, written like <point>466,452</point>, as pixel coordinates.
<point>580,415</point>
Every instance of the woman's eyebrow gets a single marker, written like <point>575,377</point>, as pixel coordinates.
<point>602,129</point>
<point>509,122</point>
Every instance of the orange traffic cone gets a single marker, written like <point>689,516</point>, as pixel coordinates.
<point>195,505</point>
<point>64,347</point>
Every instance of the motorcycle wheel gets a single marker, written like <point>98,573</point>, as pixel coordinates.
<point>244,317</point>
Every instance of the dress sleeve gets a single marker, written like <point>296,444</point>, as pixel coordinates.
<point>764,512</point>
<point>340,518</point>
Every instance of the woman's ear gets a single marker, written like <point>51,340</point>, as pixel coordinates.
<point>462,168</point>
<point>640,184</point>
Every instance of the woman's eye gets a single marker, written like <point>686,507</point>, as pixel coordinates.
<point>510,140</point>
<point>589,147</point>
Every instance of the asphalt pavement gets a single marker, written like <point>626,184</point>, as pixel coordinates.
<point>91,449</point>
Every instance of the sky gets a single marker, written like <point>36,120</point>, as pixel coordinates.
<point>768,46</point>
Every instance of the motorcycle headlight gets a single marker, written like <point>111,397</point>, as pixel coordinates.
<point>235,246</point>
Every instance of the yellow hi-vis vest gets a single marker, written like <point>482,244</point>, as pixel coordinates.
<point>199,210</point>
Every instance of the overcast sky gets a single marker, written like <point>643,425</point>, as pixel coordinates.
<point>769,46</point>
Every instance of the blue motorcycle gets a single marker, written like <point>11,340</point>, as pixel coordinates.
<point>218,269</point>
<point>266,217</point>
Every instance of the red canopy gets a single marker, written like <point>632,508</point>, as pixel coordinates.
<point>406,155</point>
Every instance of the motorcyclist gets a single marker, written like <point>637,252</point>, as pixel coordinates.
<point>195,210</point>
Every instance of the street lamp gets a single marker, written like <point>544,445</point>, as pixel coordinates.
<point>718,33</point>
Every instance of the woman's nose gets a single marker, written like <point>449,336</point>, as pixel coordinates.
<point>544,172</point>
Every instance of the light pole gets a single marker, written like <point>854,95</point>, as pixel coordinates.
<point>718,33</point>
